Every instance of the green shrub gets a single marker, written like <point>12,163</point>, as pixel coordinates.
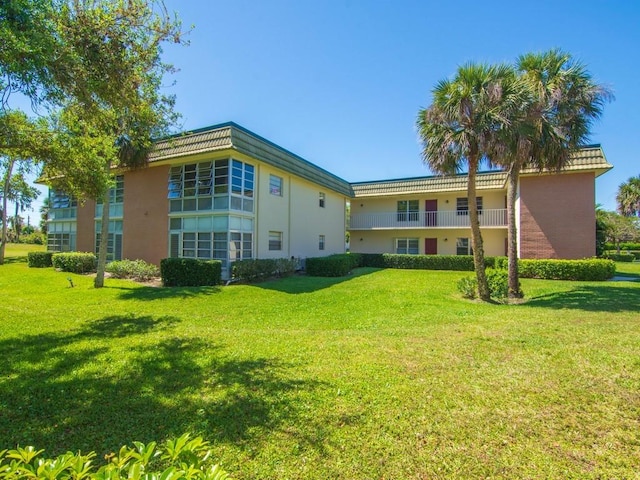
<point>74,262</point>
<point>332,266</point>
<point>35,238</point>
<point>375,260</point>
<point>40,259</point>
<point>189,272</point>
<point>256,269</point>
<point>622,257</point>
<point>497,279</point>
<point>180,458</point>
<point>138,270</point>
<point>585,270</point>
<point>623,246</point>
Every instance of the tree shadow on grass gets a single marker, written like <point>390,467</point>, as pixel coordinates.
<point>296,284</point>
<point>18,259</point>
<point>129,378</point>
<point>160,293</point>
<point>609,298</point>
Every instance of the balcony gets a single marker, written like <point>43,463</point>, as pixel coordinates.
<point>491,218</point>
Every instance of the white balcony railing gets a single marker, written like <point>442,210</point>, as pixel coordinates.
<point>496,217</point>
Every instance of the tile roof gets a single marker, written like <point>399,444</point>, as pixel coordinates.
<point>589,158</point>
<point>232,136</point>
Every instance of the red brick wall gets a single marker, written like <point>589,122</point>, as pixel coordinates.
<point>557,216</point>
<point>86,225</point>
<point>145,226</point>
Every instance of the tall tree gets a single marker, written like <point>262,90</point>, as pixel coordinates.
<point>552,122</point>
<point>99,61</point>
<point>464,116</point>
<point>628,197</point>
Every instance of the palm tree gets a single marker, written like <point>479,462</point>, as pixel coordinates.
<point>554,120</point>
<point>628,197</point>
<point>463,119</point>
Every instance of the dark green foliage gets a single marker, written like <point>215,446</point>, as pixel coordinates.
<point>331,266</point>
<point>585,270</point>
<point>35,238</point>
<point>620,257</point>
<point>189,272</point>
<point>256,269</point>
<point>180,458</point>
<point>498,280</point>
<point>138,270</point>
<point>40,259</point>
<point>419,262</point>
<point>623,246</point>
<point>74,262</point>
<point>375,260</point>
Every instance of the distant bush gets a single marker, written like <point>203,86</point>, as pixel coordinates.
<point>422,262</point>
<point>256,269</point>
<point>623,246</point>
<point>622,257</point>
<point>332,266</point>
<point>138,270</point>
<point>174,459</point>
<point>74,262</point>
<point>497,280</point>
<point>189,272</point>
<point>35,238</point>
<point>40,259</point>
<point>585,270</point>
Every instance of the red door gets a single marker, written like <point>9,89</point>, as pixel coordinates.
<point>431,213</point>
<point>430,246</point>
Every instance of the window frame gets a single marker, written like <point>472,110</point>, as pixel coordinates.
<point>275,188</point>
<point>322,242</point>
<point>408,247</point>
<point>322,199</point>
<point>408,210</point>
<point>275,241</point>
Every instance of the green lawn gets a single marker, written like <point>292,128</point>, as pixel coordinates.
<point>386,374</point>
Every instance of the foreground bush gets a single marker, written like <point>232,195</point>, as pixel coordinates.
<point>40,259</point>
<point>331,266</point>
<point>583,270</point>
<point>256,269</point>
<point>74,262</point>
<point>175,459</point>
<point>138,270</point>
<point>497,279</point>
<point>189,272</point>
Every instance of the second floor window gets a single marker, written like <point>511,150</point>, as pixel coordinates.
<point>275,185</point>
<point>462,205</point>
<point>408,210</point>
<point>275,240</point>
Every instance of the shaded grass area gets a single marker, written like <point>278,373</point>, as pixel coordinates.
<point>384,374</point>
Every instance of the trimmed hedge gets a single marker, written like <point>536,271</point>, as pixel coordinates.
<point>255,269</point>
<point>332,266</point>
<point>585,270</point>
<point>497,279</point>
<point>138,270</point>
<point>190,272</point>
<point>40,259</point>
<point>623,246</point>
<point>74,262</point>
<point>622,257</point>
<point>423,262</point>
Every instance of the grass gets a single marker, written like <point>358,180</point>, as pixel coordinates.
<point>386,374</point>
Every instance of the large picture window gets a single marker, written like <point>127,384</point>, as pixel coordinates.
<point>408,210</point>
<point>215,185</point>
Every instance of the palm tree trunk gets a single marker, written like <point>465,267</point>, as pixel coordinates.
<point>512,231</point>
<point>104,239</point>
<point>5,194</point>
<point>476,235</point>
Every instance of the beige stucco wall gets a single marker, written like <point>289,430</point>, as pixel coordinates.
<point>383,241</point>
<point>145,223</point>
<point>557,216</point>
<point>491,199</point>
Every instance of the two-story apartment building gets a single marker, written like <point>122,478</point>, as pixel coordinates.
<point>225,193</point>
<point>555,212</point>
<point>221,192</point>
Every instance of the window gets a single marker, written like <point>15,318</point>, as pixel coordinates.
<point>61,242</point>
<point>462,205</point>
<point>407,246</point>
<point>275,185</point>
<point>321,199</point>
<point>463,246</point>
<point>275,240</point>
<point>408,210</point>
<point>207,186</point>
<point>114,239</point>
<point>321,242</point>
<point>62,206</point>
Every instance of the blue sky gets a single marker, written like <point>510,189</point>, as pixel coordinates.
<point>339,82</point>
